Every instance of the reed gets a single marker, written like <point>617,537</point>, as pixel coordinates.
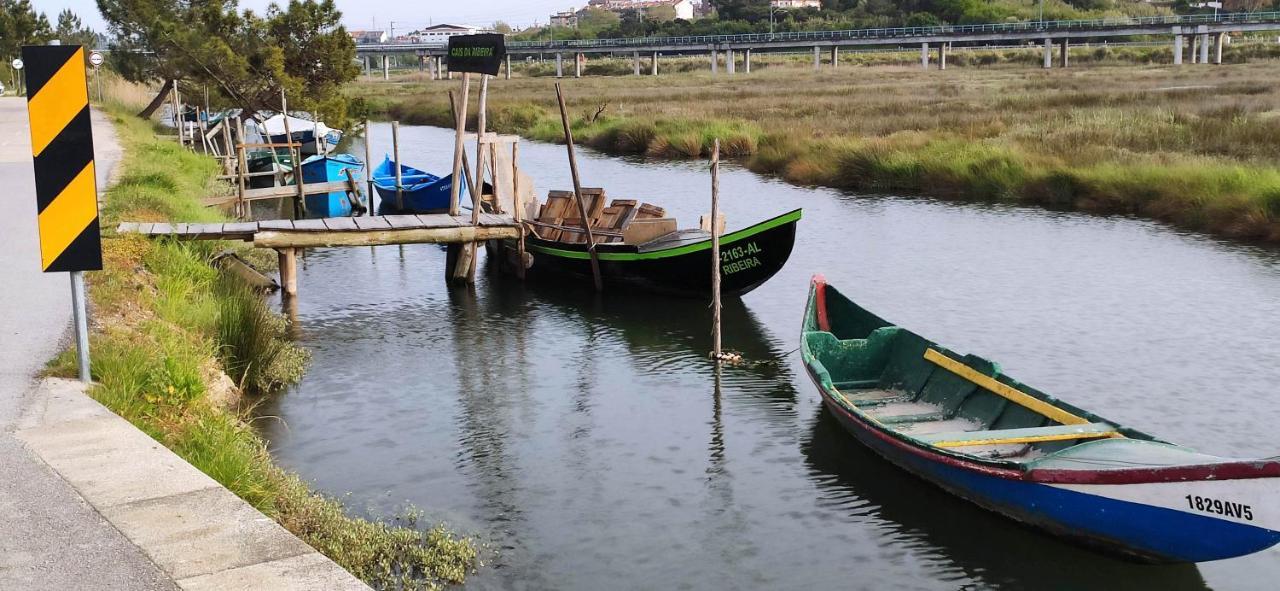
<point>1203,140</point>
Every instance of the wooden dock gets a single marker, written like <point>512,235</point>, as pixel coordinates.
<point>286,236</point>
<point>344,231</point>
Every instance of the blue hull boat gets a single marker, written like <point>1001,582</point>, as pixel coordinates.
<point>327,169</point>
<point>959,422</point>
<point>420,192</point>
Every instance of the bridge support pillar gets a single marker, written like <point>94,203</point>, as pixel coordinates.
<point>817,57</point>
<point>1177,49</point>
<point>729,64</point>
<point>1204,47</point>
<point>835,57</point>
<point>508,66</point>
<point>924,55</point>
<point>635,58</point>
<point>655,63</point>
<point>386,67</point>
<point>1217,48</point>
<point>746,60</point>
<point>1195,47</point>
<point>1048,53</point>
<point>366,66</point>
<point>715,60</point>
<point>559,65</point>
<point>1066,53</point>
<point>942,55</point>
<point>578,60</point>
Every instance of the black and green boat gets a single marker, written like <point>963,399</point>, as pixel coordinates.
<point>640,248</point>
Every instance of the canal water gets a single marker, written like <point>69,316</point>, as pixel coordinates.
<point>588,444</point>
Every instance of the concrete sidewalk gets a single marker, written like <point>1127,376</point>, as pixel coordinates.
<point>87,500</point>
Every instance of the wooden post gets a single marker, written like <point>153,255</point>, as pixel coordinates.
<point>518,206</point>
<point>460,122</point>
<point>466,164</point>
<point>477,189</point>
<point>295,157</point>
<point>368,168</point>
<point>395,153</point>
<point>177,115</point>
<point>242,168</point>
<point>288,271</point>
<point>715,251</point>
<point>228,146</point>
<point>577,191</point>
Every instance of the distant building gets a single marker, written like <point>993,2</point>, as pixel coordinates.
<point>796,4</point>
<point>568,18</point>
<point>440,34</point>
<point>685,9</point>
<point>368,37</point>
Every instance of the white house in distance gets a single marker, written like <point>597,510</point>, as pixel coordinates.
<point>440,34</point>
<point>684,8</point>
<point>796,4</point>
<point>368,37</point>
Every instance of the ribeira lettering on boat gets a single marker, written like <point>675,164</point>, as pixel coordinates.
<point>1220,507</point>
<point>739,258</point>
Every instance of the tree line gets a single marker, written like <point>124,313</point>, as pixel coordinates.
<point>245,60</point>
<point>756,16</point>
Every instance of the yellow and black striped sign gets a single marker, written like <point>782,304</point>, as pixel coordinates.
<point>62,146</point>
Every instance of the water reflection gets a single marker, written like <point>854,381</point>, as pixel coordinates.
<point>589,441</point>
<point>959,540</point>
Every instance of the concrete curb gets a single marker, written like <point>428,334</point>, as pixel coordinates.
<point>198,533</point>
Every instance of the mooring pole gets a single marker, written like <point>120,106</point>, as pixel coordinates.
<point>466,164</point>
<point>395,153</point>
<point>477,190</point>
<point>460,123</point>
<point>295,159</point>
<point>368,167</point>
<point>242,167</point>
<point>518,206</point>
<point>82,324</point>
<point>577,191</point>
<point>715,251</point>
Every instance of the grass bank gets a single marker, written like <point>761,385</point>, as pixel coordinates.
<point>1195,146</point>
<point>182,350</point>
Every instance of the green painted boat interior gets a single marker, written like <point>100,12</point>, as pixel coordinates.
<point>880,372</point>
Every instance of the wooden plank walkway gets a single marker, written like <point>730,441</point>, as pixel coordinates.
<point>344,231</point>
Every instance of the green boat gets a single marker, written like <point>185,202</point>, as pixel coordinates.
<point>958,422</point>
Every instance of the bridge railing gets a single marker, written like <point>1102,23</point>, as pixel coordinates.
<point>901,32</point>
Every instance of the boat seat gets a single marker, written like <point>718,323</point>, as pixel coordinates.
<point>906,412</point>
<point>924,428</point>
<point>966,438</point>
<point>870,398</point>
<point>856,384</point>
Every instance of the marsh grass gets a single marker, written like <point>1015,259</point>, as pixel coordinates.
<point>166,324</point>
<point>1196,146</point>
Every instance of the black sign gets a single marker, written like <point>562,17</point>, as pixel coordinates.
<point>481,54</point>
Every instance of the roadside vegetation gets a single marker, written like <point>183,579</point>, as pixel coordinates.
<point>183,351</point>
<point>1195,146</point>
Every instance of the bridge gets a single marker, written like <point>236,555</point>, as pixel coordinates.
<point>1196,31</point>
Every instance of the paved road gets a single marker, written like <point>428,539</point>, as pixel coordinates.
<point>50,538</point>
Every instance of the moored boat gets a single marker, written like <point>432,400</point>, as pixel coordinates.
<point>333,168</point>
<point>958,422</point>
<point>420,192</point>
<point>639,247</point>
<point>313,137</point>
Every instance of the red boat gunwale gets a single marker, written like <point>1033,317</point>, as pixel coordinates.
<point>1229,470</point>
